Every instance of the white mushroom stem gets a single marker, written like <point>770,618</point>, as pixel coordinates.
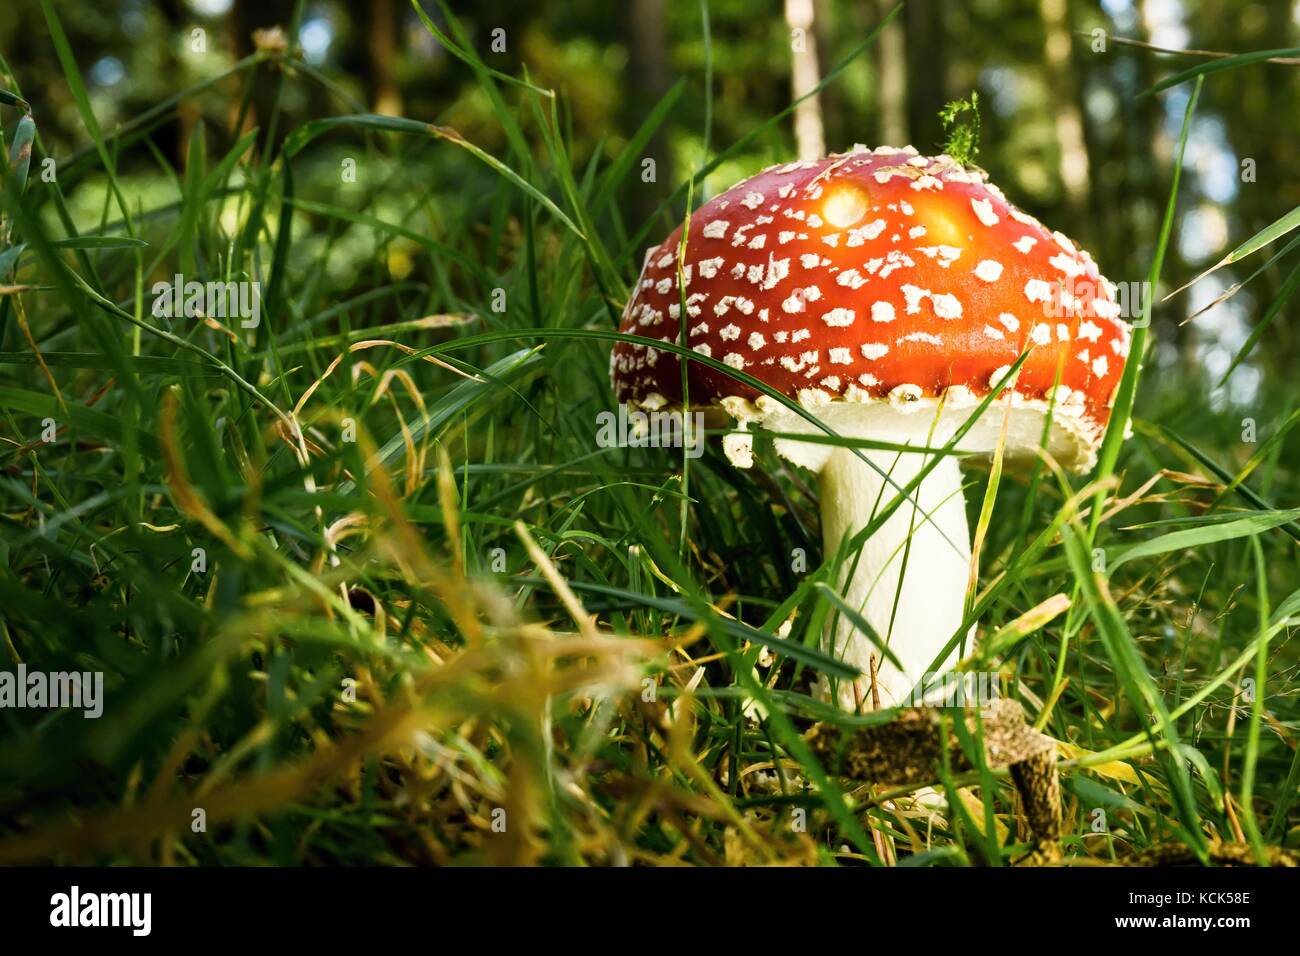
<point>917,620</point>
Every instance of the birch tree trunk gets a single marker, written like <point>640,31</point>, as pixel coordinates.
<point>892,80</point>
<point>1069,120</point>
<point>805,74</point>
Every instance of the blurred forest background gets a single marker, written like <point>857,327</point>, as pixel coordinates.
<point>1065,132</point>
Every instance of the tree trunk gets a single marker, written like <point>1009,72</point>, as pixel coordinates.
<point>1057,46</point>
<point>648,73</point>
<point>805,74</point>
<point>891,71</point>
<point>927,72</point>
<point>385,94</point>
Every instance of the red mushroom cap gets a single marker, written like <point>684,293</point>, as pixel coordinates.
<point>869,276</point>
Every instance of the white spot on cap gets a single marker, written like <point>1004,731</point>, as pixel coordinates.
<point>840,356</point>
<point>989,270</point>
<point>947,255</point>
<point>837,318</point>
<point>852,393</point>
<point>946,306</point>
<point>870,231</point>
<point>777,269</point>
<point>1106,310</point>
<point>874,350</point>
<point>882,312</point>
<point>709,267</point>
<point>927,337</point>
<point>1024,218</point>
<point>752,200</point>
<point>1025,243</point>
<point>1100,366</point>
<point>734,359</point>
<point>894,261</point>
<point>1009,321</point>
<point>999,374</point>
<point>716,229</point>
<point>730,332</point>
<point>1066,264</point>
<point>1089,330</point>
<point>913,296</point>
<point>1036,290</point>
<point>984,211</point>
<point>1065,242</point>
<point>850,278</point>
<point>905,394</point>
<point>756,340</point>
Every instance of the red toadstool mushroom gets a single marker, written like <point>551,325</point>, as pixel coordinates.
<point>887,293</point>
